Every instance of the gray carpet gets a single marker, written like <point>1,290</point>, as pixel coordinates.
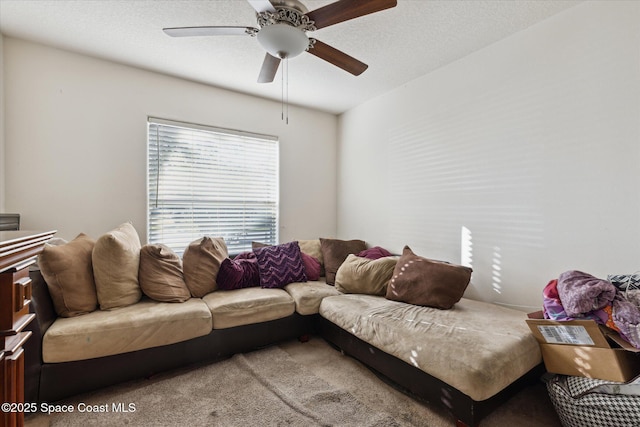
<point>291,384</point>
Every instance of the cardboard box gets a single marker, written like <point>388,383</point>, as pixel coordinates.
<point>584,348</point>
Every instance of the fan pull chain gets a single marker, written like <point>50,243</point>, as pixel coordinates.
<point>284,96</point>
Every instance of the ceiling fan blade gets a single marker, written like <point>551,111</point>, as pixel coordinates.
<point>269,69</point>
<point>262,6</point>
<point>207,31</point>
<point>344,10</point>
<point>338,58</point>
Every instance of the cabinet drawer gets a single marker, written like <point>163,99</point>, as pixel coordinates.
<point>15,293</point>
<point>21,296</point>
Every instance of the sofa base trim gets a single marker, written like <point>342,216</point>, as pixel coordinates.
<point>58,381</point>
<point>416,382</point>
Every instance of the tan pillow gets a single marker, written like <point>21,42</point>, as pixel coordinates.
<point>201,262</point>
<point>68,272</point>
<point>160,274</point>
<point>116,259</point>
<point>313,248</point>
<point>359,275</point>
<point>335,251</point>
<point>421,281</point>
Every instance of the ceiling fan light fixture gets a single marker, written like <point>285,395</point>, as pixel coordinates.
<point>283,40</point>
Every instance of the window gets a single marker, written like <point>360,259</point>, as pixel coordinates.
<point>209,181</point>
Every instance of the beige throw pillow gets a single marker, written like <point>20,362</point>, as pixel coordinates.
<point>68,271</point>
<point>359,275</point>
<point>161,275</point>
<point>201,262</point>
<point>116,259</point>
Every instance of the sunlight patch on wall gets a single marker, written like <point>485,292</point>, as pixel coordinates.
<point>496,271</point>
<point>466,247</point>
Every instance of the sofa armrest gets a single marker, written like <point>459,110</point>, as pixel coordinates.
<point>41,305</point>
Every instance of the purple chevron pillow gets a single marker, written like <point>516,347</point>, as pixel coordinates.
<point>280,265</point>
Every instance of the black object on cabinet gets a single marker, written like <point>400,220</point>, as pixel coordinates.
<point>9,222</point>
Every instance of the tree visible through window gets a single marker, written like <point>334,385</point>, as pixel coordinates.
<point>204,181</point>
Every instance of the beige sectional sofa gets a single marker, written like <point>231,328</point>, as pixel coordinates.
<point>469,358</point>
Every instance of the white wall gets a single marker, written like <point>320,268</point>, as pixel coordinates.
<point>521,159</point>
<point>76,142</point>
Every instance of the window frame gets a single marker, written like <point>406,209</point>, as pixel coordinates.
<point>237,153</point>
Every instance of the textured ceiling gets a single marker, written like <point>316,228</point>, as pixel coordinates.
<point>398,44</point>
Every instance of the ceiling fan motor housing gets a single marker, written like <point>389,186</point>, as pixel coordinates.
<point>282,32</point>
<point>283,40</point>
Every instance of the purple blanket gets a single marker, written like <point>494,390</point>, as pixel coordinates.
<point>582,293</point>
<point>553,309</point>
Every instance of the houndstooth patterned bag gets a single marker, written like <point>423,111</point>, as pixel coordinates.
<point>625,281</point>
<point>586,402</point>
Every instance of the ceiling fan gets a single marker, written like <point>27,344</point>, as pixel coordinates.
<point>283,25</point>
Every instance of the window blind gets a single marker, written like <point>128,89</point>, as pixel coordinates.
<point>209,181</point>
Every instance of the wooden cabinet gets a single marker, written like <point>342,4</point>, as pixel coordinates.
<point>18,251</point>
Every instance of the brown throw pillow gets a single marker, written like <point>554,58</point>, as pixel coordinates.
<point>161,275</point>
<point>201,262</point>
<point>358,275</point>
<point>335,251</point>
<point>68,272</point>
<point>116,259</point>
<point>421,281</point>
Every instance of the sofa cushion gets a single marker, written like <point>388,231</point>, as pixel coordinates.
<point>476,347</point>
<point>280,265</point>
<point>335,251</point>
<point>68,271</point>
<point>247,306</point>
<point>359,275</point>
<point>200,262</point>
<point>308,295</point>
<point>421,281</point>
<point>160,274</point>
<point>116,260</point>
<point>143,325</point>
